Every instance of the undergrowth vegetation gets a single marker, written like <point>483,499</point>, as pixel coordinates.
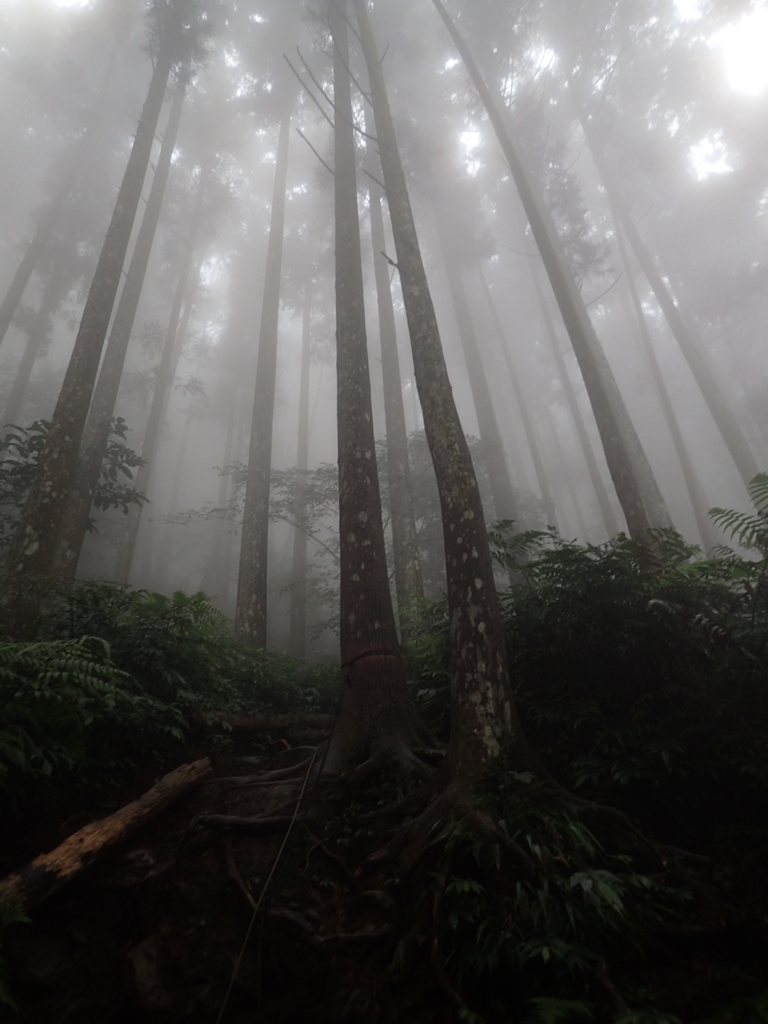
<point>640,677</point>
<point>630,887</point>
<point>119,680</point>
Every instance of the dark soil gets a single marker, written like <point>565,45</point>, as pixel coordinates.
<point>154,932</point>
<point>159,931</point>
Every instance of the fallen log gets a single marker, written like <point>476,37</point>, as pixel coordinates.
<point>51,871</point>
<point>263,723</point>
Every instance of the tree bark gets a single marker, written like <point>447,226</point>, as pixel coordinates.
<point>484,725</point>
<point>166,373</point>
<point>407,565</point>
<point>726,422</point>
<point>530,433</point>
<point>74,521</point>
<point>298,627</point>
<point>633,479</point>
<point>36,245</point>
<point>251,609</point>
<point>34,544</point>
<point>376,715</point>
<point>51,871</point>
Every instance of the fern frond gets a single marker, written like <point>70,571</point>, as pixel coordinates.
<point>749,531</point>
<point>758,492</point>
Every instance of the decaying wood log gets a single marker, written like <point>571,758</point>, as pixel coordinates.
<point>262,723</point>
<point>50,871</point>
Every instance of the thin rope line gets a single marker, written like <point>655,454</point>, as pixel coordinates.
<point>251,923</point>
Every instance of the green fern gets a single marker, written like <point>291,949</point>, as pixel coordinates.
<point>750,531</point>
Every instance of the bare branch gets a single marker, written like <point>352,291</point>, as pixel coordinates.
<point>325,165</point>
<point>309,92</point>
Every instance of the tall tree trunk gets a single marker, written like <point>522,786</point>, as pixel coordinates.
<point>636,317</point>
<point>166,373</point>
<point>297,640</point>
<point>490,435</point>
<point>376,715</point>
<point>251,611</point>
<point>212,574</point>
<point>530,433</point>
<point>726,422</point>
<point>632,476</point>
<point>604,502</point>
<point>407,565</point>
<point>39,330</point>
<point>567,471</point>
<point>164,561</point>
<point>484,725</point>
<point>74,521</point>
<point>28,263</point>
<point>34,545</point>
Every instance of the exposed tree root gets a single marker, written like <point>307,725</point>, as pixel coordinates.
<point>255,826</point>
<point>402,759</point>
<point>262,723</point>
<point>290,753</point>
<point>226,783</point>
<point>295,771</point>
<point>233,872</point>
<point>335,859</point>
<point>485,824</point>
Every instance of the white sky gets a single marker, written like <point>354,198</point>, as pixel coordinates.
<point>743,44</point>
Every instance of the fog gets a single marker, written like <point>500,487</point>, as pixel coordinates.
<point>644,128</point>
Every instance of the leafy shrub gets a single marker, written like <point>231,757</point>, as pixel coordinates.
<point>641,666</point>
<point>181,651</point>
<point>20,451</point>
<point>68,714</point>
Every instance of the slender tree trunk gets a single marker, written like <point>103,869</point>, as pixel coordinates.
<point>298,628</point>
<point>633,478</point>
<point>39,330</point>
<point>490,435</point>
<point>484,725</point>
<point>407,565</point>
<point>376,715</point>
<point>251,611</point>
<point>164,561</point>
<point>636,317</point>
<point>74,522</point>
<point>28,263</point>
<point>726,422</point>
<point>567,472</point>
<point>212,574</point>
<point>530,433</point>
<point>166,373</point>
<point>606,509</point>
<point>34,545</point>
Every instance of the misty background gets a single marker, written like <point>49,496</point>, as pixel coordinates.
<point>652,111</point>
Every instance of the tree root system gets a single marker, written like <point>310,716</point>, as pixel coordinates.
<point>382,901</point>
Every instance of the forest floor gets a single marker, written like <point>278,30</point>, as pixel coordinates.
<point>164,927</point>
<point>155,929</point>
